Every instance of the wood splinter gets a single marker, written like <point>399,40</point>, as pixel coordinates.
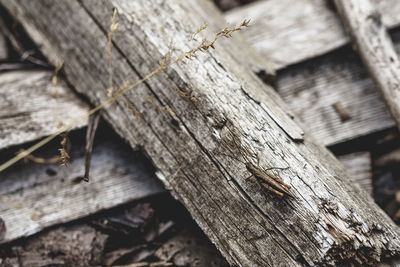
<point>91,131</point>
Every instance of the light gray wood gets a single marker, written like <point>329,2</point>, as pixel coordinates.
<point>369,35</point>
<point>311,88</point>
<point>287,32</point>
<point>199,146</point>
<point>32,107</point>
<point>359,166</point>
<point>36,196</point>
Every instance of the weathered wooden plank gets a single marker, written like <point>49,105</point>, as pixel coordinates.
<point>311,88</point>
<point>287,32</point>
<point>32,107</point>
<point>369,36</point>
<point>359,166</point>
<point>35,196</point>
<point>201,144</point>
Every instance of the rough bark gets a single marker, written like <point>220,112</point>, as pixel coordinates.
<point>32,107</point>
<point>35,196</point>
<point>288,32</point>
<point>364,24</point>
<point>198,143</point>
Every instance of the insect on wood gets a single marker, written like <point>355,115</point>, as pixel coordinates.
<point>268,180</point>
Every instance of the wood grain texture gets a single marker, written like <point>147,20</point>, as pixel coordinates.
<point>359,166</point>
<point>36,196</point>
<point>369,35</point>
<point>311,88</point>
<point>197,145</point>
<point>288,32</point>
<point>31,107</point>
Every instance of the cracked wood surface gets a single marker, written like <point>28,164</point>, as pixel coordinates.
<point>286,32</point>
<point>36,196</point>
<point>371,40</point>
<point>200,146</point>
<point>32,107</point>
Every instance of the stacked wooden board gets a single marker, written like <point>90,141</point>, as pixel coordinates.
<point>314,84</point>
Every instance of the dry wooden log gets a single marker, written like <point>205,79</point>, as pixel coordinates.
<point>36,196</point>
<point>202,144</point>
<point>358,165</point>
<point>372,41</point>
<point>311,88</point>
<point>287,32</point>
<point>32,107</point>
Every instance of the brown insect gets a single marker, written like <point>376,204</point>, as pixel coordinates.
<point>268,180</point>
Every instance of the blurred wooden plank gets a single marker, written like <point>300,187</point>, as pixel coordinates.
<point>32,107</point>
<point>33,196</point>
<point>3,47</point>
<point>311,88</point>
<point>287,31</point>
<point>358,165</point>
<point>372,42</point>
<point>3,43</point>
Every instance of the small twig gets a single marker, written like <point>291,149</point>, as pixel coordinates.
<point>39,160</point>
<point>54,79</point>
<point>343,114</point>
<point>64,156</point>
<point>90,133</point>
<point>201,28</point>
